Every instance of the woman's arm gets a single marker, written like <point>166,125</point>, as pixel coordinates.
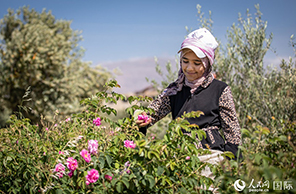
<point>161,106</point>
<point>229,121</point>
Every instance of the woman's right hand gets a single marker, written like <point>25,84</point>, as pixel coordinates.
<point>143,122</point>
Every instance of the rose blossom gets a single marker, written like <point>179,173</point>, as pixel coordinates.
<point>72,164</point>
<point>70,174</point>
<point>97,121</point>
<point>85,155</point>
<point>92,176</point>
<point>93,146</point>
<point>129,144</point>
<point>60,169</point>
<point>108,177</point>
<point>143,117</point>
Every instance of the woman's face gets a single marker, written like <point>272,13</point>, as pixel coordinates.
<point>192,66</point>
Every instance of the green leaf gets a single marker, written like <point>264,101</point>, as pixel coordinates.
<point>258,157</point>
<point>125,182</point>
<point>151,181</point>
<point>245,133</point>
<point>228,154</point>
<point>172,165</point>
<point>119,187</point>
<point>166,137</point>
<point>201,134</point>
<point>150,153</point>
<point>179,130</point>
<point>160,170</point>
<point>141,143</point>
<point>94,161</point>
<point>109,160</point>
<point>130,99</point>
<point>136,114</point>
<point>8,158</point>
<point>102,162</point>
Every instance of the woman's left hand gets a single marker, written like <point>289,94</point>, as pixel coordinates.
<point>143,120</point>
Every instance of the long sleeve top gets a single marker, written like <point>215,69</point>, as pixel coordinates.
<point>214,99</point>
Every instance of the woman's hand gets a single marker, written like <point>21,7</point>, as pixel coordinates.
<point>143,120</point>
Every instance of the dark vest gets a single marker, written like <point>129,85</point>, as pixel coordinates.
<point>207,101</point>
<point>203,99</point>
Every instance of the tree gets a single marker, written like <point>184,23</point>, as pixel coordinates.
<point>41,66</point>
<point>261,92</point>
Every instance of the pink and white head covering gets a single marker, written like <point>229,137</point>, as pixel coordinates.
<point>202,43</point>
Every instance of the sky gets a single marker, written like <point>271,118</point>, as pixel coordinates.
<point>129,34</point>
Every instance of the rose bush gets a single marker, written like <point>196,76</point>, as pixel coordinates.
<point>78,155</point>
<point>121,159</point>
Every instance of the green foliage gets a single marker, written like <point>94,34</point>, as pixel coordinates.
<point>40,52</point>
<point>29,156</point>
<point>27,153</point>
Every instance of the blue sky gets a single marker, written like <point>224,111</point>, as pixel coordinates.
<point>116,32</point>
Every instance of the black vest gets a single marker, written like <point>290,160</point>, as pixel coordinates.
<point>203,99</point>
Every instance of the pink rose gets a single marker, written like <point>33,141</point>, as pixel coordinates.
<point>72,164</point>
<point>85,155</point>
<point>97,121</point>
<point>92,176</point>
<point>60,169</point>
<point>108,177</point>
<point>143,117</point>
<point>93,146</point>
<point>129,144</point>
<point>70,174</point>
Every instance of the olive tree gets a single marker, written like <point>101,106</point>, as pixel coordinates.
<point>41,67</point>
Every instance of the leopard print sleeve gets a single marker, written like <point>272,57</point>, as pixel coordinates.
<point>230,124</point>
<point>161,106</point>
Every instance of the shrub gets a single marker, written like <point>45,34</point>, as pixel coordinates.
<point>81,155</point>
<point>40,54</point>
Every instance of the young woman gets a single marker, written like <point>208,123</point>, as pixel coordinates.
<point>196,89</point>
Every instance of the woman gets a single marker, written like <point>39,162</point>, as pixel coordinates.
<point>196,89</point>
